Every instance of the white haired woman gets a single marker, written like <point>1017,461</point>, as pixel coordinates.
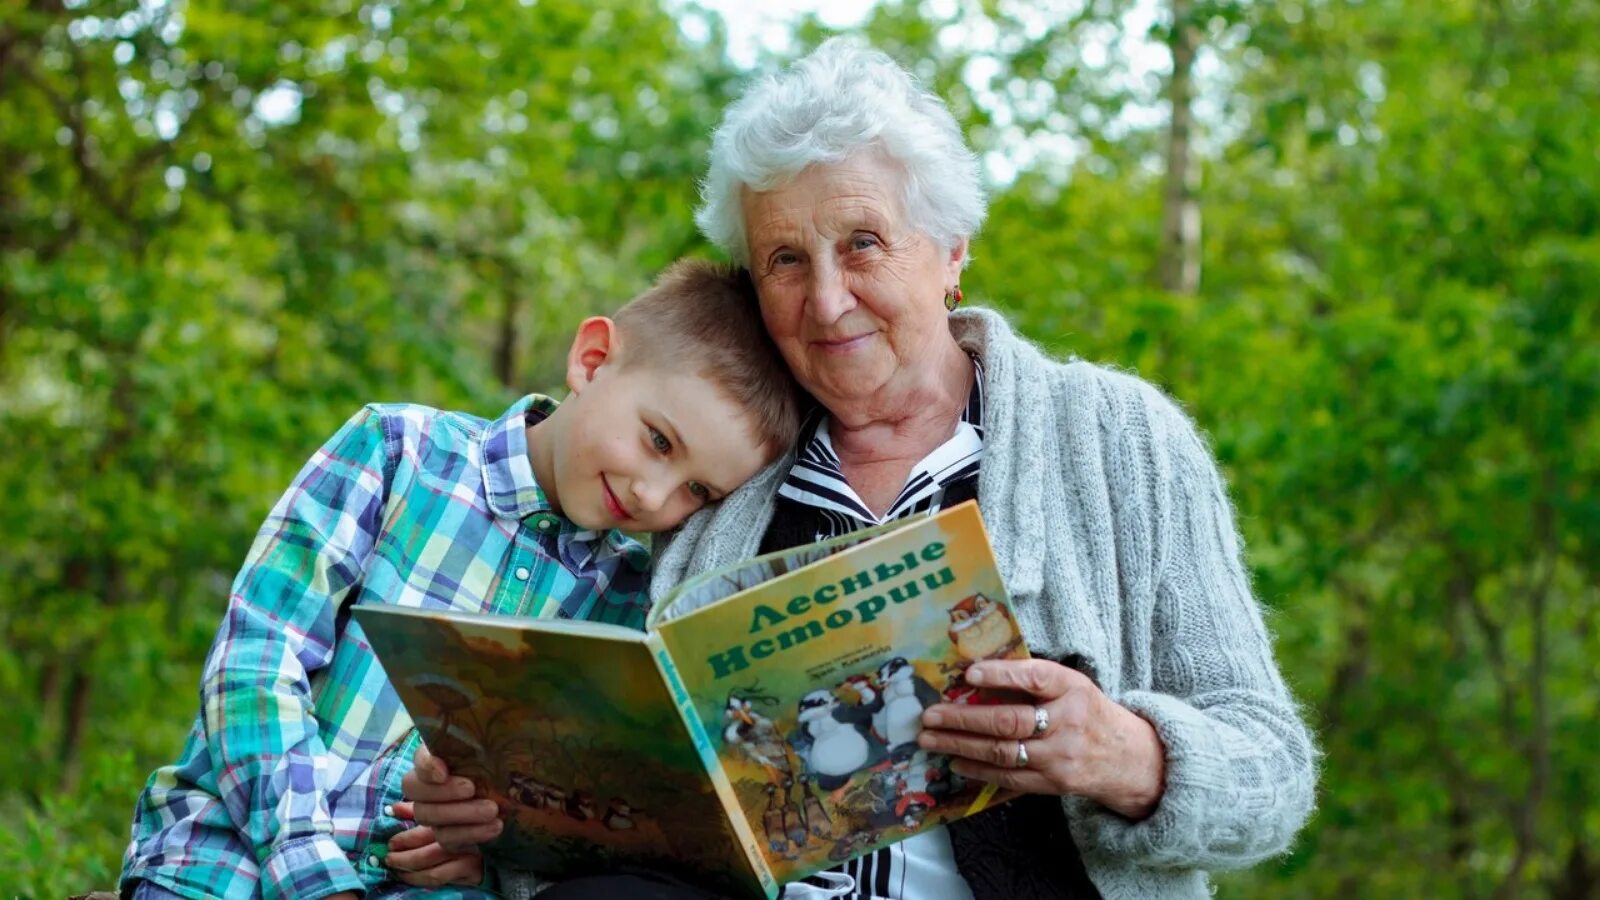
<point>1161,741</point>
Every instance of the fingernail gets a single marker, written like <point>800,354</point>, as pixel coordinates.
<point>975,675</point>
<point>932,719</point>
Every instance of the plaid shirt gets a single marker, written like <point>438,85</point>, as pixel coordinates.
<point>285,784</point>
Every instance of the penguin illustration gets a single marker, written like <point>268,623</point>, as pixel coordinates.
<point>772,822</point>
<point>869,700</point>
<point>817,818</point>
<point>832,740</point>
<point>982,629</point>
<point>580,805</point>
<point>527,790</point>
<point>755,737</point>
<point>619,815</point>
<point>905,695</point>
<point>555,797</point>
<point>914,789</point>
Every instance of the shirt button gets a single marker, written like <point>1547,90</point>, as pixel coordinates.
<point>388,810</point>
<point>544,524</point>
<point>523,573</point>
<point>374,861</point>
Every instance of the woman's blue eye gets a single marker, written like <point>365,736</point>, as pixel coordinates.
<point>863,242</point>
<point>660,442</point>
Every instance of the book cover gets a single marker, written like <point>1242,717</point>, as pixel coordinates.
<point>762,728</point>
<point>570,728</point>
<point>812,684</point>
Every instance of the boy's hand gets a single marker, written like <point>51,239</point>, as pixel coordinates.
<point>415,857</point>
<point>445,804</point>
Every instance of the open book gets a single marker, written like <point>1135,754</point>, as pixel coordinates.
<point>762,728</point>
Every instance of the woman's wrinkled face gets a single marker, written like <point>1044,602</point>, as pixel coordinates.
<point>851,292</point>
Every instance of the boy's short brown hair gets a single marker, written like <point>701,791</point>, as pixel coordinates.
<point>704,317</point>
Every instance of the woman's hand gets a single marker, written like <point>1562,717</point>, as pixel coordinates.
<point>447,805</point>
<point>1089,746</point>
<point>416,857</point>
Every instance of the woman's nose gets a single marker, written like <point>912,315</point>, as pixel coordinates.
<point>830,297</point>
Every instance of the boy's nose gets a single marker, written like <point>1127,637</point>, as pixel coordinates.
<point>648,495</point>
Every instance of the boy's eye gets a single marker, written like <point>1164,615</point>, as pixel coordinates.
<point>699,490</point>
<point>660,442</point>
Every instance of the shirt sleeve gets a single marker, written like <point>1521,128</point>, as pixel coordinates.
<point>257,705</point>
<point>1240,763</point>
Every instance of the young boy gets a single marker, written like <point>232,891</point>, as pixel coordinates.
<point>286,785</point>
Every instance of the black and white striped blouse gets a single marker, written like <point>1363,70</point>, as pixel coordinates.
<point>816,502</point>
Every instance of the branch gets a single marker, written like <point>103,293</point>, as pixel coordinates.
<point>1463,589</point>
<point>1527,820</point>
<point>1492,15</point>
<point>72,117</point>
<point>1352,668</point>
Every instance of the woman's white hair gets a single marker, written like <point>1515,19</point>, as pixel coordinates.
<point>841,99</point>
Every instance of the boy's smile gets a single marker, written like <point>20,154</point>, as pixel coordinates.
<point>613,505</point>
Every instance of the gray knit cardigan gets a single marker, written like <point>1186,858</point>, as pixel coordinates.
<point>1117,542</point>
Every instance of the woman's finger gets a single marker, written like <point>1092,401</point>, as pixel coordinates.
<point>993,751</point>
<point>1027,781</point>
<point>1035,677</point>
<point>1008,721</point>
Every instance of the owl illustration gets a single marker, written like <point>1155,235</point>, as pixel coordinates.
<point>982,629</point>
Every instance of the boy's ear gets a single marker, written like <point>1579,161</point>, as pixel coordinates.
<point>595,345</point>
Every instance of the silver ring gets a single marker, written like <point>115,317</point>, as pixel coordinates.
<point>1022,755</point>
<point>1041,721</point>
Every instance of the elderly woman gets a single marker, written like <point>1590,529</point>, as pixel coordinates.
<point>1160,741</point>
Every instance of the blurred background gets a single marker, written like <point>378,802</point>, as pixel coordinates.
<point>1358,239</point>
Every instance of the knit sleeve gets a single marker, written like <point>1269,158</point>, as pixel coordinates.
<point>1240,764</point>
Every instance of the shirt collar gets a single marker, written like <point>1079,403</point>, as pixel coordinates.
<point>817,480</point>
<point>513,492</point>
<point>508,482</point>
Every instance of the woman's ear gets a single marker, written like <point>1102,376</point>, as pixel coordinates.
<point>956,261</point>
<point>595,345</point>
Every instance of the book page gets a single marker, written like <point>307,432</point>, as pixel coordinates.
<point>569,728</point>
<point>703,590</point>
<point>813,684</point>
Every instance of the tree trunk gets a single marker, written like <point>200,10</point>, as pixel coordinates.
<point>505,351</point>
<point>77,720</point>
<point>1180,216</point>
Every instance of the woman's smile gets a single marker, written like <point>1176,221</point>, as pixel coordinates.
<point>844,344</point>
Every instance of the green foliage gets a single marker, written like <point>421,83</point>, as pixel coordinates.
<point>223,227</point>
